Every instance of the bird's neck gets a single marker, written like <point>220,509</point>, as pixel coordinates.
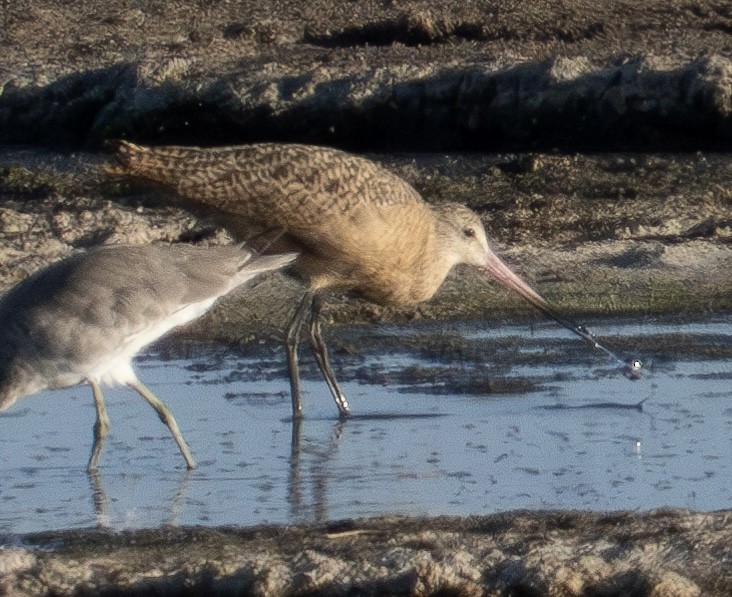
<point>436,260</point>
<point>445,251</point>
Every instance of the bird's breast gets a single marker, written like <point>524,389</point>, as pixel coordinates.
<point>387,278</point>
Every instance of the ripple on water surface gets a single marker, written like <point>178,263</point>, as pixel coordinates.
<point>542,422</point>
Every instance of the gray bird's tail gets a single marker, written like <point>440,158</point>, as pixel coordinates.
<point>264,263</point>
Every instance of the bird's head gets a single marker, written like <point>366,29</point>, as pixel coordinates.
<point>465,240</point>
<point>465,236</point>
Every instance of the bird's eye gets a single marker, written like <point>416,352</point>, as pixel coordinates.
<point>469,232</point>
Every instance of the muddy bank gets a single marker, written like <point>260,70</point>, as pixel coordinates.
<point>665,553</point>
<point>396,75</point>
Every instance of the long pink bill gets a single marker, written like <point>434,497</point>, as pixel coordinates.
<point>503,275</point>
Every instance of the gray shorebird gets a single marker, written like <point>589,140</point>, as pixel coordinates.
<point>84,318</point>
<point>358,227</point>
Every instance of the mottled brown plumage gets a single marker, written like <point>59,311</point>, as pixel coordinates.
<point>330,205</point>
<point>357,226</point>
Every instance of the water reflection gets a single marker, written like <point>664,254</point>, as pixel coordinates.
<point>315,509</point>
<point>304,505</point>
<point>580,439</point>
<point>174,506</point>
<point>99,497</point>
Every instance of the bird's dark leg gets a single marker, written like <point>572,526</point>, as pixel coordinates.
<point>101,427</point>
<point>292,339</point>
<point>321,356</point>
<point>166,417</point>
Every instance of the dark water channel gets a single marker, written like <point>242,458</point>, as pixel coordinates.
<point>542,422</point>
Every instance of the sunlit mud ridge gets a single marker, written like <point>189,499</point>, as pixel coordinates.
<point>664,553</point>
<point>426,75</point>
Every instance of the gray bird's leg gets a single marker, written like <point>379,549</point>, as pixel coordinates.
<point>292,339</point>
<point>99,497</point>
<point>321,356</point>
<point>166,417</point>
<point>101,427</point>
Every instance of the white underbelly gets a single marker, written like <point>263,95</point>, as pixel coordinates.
<point>116,366</point>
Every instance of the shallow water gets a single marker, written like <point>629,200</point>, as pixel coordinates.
<point>567,440</point>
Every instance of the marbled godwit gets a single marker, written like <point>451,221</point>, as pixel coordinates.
<point>84,318</point>
<point>359,228</point>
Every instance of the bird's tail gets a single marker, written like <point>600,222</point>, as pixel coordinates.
<point>136,161</point>
<point>130,158</point>
<point>264,263</point>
